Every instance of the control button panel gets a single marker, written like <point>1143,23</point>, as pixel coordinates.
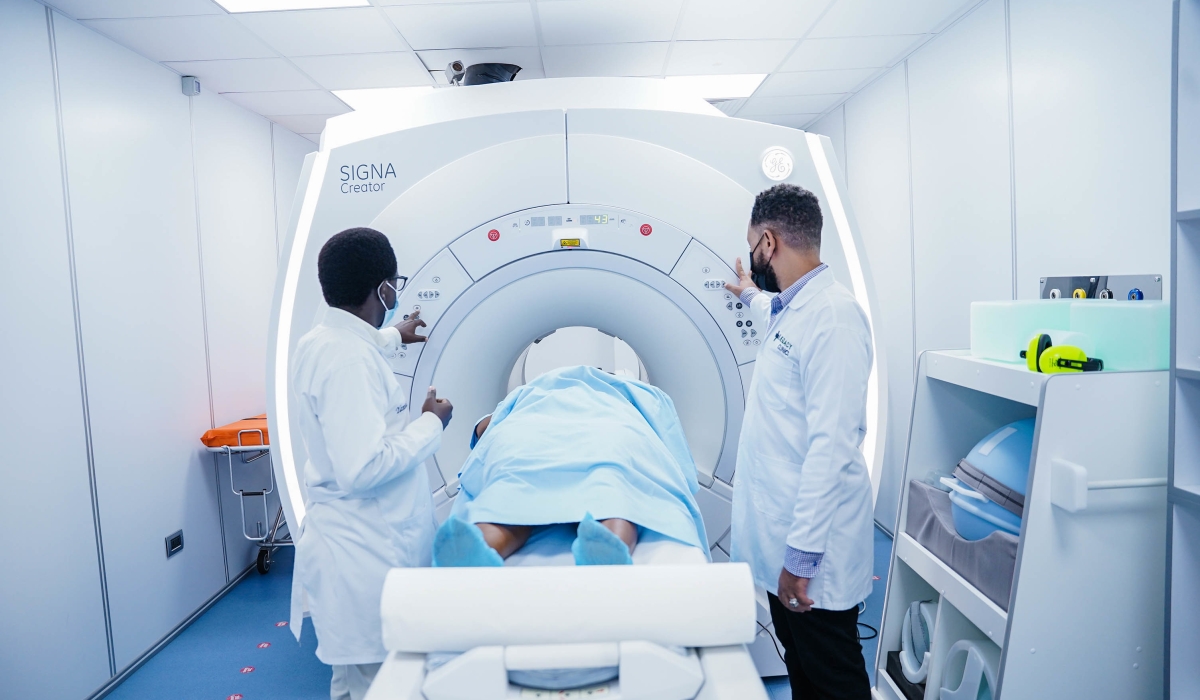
<point>563,228</point>
<point>430,292</point>
<point>696,271</point>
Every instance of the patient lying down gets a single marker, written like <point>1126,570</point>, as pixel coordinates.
<point>576,445</point>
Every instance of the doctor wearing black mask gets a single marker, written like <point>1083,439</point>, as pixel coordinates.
<point>802,515</point>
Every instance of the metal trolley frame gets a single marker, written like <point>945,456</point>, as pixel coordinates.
<point>270,540</point>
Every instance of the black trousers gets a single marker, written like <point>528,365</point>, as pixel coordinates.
<point>822,653</point>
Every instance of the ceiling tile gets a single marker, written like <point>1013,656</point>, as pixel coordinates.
<point>290,102</point>
<point>203,38</point>
<point>883,17</point>
<point>817,82</point>
<point>245,75</point>
<point>315,138</point>
<point>855,52</point>
<point>446,26</point>
<point>364,70</point>
<point>794,121</point>
<point>320,32</point>
<point>304,123</point>
<point>604,60</point>
<point>607,21</point>
<point>525,56</point>
<point>108,9</point>
<point>729,107</point>
<point>749,19</point>
<point>724,57</point>
<point>799,104</point>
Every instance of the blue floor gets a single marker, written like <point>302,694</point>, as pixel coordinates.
<point>778,688</point>
<point>221,655</point>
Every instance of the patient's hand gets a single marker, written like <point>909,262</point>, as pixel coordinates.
<point>408,328</point>
<point>482,426</point>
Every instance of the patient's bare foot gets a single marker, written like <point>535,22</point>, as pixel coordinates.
<point>506,539</point>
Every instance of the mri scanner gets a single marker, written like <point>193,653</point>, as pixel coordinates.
<point>517,209</point>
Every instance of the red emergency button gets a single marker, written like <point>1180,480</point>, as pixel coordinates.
<point>646,229</point>
<point>493,235</point>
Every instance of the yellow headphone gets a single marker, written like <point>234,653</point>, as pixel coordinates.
<point>1044,356</point>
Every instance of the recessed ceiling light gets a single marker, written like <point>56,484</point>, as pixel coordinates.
<point>718,87</point>
<point>277,5</point>
<point>380,98</point>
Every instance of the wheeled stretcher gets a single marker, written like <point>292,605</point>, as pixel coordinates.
<point>250,441</point>
<point>672,626</point>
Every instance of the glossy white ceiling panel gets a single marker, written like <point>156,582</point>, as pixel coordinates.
<point>199,38</point>
<point>724,57</point>
<point>244,75</point>
<point>607,21</point>
<point>749,19</point>
<point>849,53</point>
<point>883,17</point>
<point>819,82</point>
<point>605,60</point>
<point>364,70</point>
<point>449,26</point>
<point>289,102</point>
<point>324,32</point>
<point>109,9</point>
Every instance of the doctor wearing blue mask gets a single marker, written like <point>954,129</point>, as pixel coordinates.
<point>802,512</point>
<point>369,505</point>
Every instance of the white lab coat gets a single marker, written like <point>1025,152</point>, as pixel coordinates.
<point>801,478</point>
<point>369,503</point>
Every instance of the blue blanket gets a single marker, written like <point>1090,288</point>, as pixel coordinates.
<point>579,440</point>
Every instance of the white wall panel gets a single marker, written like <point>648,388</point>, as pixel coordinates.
<point>962,224</point>
<point>51,609</point>
<point>1091,103</point>
<point>234,193</point>
<point>833,125</point>
<point>290,150</point>
<point>878,177</point>
<point>130,168</point>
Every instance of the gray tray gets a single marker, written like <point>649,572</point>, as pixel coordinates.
<point>987,564</point>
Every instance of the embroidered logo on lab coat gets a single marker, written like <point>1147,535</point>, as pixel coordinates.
<point>782,344</point>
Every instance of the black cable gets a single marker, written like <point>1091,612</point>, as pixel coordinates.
<point>874,632</point>
<point>773,642</point>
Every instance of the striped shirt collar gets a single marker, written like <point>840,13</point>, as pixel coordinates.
<point>785,297</point>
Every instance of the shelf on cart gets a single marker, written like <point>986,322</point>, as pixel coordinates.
<point>1009,381</point>
<point>1186,495</point>
<point>973,604</point>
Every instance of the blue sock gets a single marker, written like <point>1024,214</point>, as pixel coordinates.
<point>459,543</point>
<point>597,545</point>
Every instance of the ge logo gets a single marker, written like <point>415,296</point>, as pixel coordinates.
<point>777,164</point>
<point>493,235</point>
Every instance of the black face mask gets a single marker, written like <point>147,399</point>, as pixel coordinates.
<point>761,272</point>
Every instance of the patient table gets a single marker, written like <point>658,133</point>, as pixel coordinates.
<point>541,612</point>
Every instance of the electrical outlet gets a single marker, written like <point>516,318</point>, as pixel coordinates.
<point>174,544</point>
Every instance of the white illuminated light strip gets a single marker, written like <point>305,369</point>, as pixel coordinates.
<point>236,6</point>
<point>365,99</point>
<point>287,304</point>
<point>859,283</point>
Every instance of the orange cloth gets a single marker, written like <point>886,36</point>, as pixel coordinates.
<point>227,435</point>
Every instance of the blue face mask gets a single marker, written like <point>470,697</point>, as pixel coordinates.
<point>389,315</point>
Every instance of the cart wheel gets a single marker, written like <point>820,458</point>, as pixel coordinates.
<point>264,561</point>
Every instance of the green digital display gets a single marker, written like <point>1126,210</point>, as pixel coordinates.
<point>592,219</point>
